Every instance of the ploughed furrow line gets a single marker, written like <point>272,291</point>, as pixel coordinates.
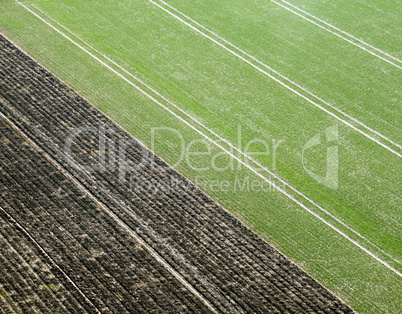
<point>223,260</point>
<point>106,263</point>
<point>25,273</point>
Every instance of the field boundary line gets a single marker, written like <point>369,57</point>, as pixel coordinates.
<point>282,76</point>
<point>42,250</point>
<point>292,89</point>
<point>221,147</point>
<point>122,224</point>
<point>339,30</point>
<point>226,141</point>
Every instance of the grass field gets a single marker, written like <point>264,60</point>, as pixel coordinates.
<point>288,114</point>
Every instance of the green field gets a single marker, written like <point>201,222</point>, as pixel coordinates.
<point>240,96</point>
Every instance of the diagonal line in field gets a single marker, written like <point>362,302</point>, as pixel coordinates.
<point>291,88</point>
<point>336,34</point>
<point>120,222</point>
<point>43,251</point>
<point>223,139</point>
<point>373,255</point>
<point>283,76</point>
<point>339,30</point>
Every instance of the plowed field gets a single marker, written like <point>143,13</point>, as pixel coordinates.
<point>123,237</point>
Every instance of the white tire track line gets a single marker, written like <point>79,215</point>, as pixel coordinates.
<point>50,260</point>
<point>223,139</point>
<point>339,30</point>
<point>292,89</point>
<point>283,76</point>
<point>374,256</point>
<point>336,34</point>
<point>120,222</point>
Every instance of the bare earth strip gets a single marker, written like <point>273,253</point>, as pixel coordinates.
<point>62,253</point>
<point>265,178</point>
<point>223,261</point>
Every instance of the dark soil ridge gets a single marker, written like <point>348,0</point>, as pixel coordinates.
<point>223,260</point>
<point>62,253</point>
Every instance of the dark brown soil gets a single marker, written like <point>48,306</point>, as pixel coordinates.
<point>61,250</point>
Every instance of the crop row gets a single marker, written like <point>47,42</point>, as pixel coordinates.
<point>111,269</point>
<point>214,252</point>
